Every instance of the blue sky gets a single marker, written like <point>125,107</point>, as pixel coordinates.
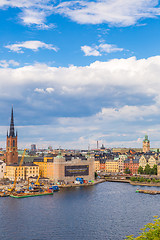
<point>80,71</point>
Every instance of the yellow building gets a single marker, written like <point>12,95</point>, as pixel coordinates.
<point>152,161</point>
<point>45,166</point>
<point>13,170</point>
<point>111,166</point>
<point>31,170</point>
<point>23,173</point>
<point>97,165</point>
<point>144,160</point>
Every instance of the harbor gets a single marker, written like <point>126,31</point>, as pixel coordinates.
<point>75,213</point>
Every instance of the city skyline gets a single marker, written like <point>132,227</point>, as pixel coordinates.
<point>80,71</point>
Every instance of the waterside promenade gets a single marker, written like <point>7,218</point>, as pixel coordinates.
<point>135,183</point>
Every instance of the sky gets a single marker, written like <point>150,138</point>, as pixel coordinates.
<point>78,72</point>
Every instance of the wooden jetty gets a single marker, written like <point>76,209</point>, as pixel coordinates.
<point>152,192</point>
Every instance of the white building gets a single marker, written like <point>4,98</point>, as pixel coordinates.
<point>2,169</point>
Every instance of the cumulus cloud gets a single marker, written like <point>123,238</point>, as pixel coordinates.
<point>101,48</point>
<point>118,99</point>
<point>5,63</point>
<point>125,75</point>
<point>41,90</point>
<point>90,51</point>
<point>114,12</point>
<point>32,45</point>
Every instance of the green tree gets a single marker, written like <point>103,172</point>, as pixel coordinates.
<point>154,170</point>
<point>151,231</point>
<point>127,171</point>
<point>147,169</point>
<point>140,170</point>
<point>153,180</point>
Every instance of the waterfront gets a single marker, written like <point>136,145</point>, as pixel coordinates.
<point>104,211</point>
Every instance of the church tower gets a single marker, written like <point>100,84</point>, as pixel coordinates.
<point>146,144</point>
<point>11,145</point>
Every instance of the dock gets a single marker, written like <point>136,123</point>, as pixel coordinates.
<point>152,192</point>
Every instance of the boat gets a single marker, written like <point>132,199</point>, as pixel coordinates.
<point>30,194</point>
<point>3,194</point>
<point>54,188</point>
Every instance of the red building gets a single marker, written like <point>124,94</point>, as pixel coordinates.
<point>11,145</point>
<point>132,164</point>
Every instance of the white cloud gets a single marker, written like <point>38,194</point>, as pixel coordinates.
<point>37,17</point>
<point>113,12</point>
<point>90,51</point>
<point>41,90</point>
<point>109,48</point>
<point>98,50</point>
<point>32,45</point>
<point>130,75</point>
<point>5,63</point>
<point>49,90</point>
<point>115,101</point>
<point>33,12</point>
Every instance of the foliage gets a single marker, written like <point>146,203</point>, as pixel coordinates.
<point>140,170</point>
<point>153,180</point>
<point>133,179</point>
<point>142,179</point>
<point>154,170</point>
<point>147,169</point>
<point>151,231</point>
<point>127,171</point>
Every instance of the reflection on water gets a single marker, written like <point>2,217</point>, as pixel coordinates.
<point>106,211</point>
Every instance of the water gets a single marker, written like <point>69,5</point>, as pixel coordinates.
<point>105,211</point>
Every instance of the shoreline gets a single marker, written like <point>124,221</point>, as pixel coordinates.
<point>5,187</point>
<point>134,183</point>
<point>82,185</point>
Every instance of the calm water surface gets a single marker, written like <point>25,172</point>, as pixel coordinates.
<point>105,211</point>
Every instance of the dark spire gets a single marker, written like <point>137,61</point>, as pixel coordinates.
<point>11,133</point>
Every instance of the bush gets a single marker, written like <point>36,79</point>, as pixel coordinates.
<point>153,180</point>
<point>133,179</point>
<point>142,179</point>
<point>148,180</point>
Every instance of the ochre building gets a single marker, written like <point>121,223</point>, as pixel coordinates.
<point>67,169</point>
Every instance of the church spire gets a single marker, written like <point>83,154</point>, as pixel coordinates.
<point>11,132</point>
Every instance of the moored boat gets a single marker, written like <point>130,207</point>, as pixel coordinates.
<point>33,194</point>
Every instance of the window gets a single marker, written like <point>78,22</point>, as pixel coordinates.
<point>13,143</point>
<point>8,143</point>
